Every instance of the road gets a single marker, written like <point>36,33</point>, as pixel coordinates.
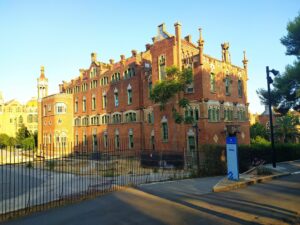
<point>275,202</point>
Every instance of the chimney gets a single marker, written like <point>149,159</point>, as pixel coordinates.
<point>188,38</point>
<point>133,52</point>
<point>94,57</point>
<point>178,43</point>
<point>148,46</point>
<point>200,46</point>
<point>111,61</point>
<point>225,52</point>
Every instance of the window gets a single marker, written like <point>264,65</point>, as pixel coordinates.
<point>20,119</point>
<point>150,117</point>
<point>130,117</point>
<point>116,77</point>
<point>104,81</point>
<point>104,100</point>
<point>93,72</point>
<point>84,104</point>
<point>165,134</point>
<point>29,118</point>
<point>84,86</point>
<point>76,89</point>
<point>213,114</point>
<point>130,137</point>
<point>116,97</point>
<point>240,88</point>
<point>129,95</point>
<point>85,121</point>
<point>228,114</point>
<point>60,108</point>
<point>76,105</point>
<point>105,140</point>
<point>76,139</point>
<point>212,82</point>
<point>130,72</point>
<point>227,85</point>
<point>105,119</point>
<point>162,67</point>
<point>93,84</point>
<point>192,112</point>
<point>95,120</point>
<point>117,118</point>
<point>49,108</point>
<point>84,140</point>
<point>77,122</point>
<point>117,140</point>
<point>93,102</point>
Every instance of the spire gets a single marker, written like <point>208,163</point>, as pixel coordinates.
<point>245,60</point>
<point>42,75</point>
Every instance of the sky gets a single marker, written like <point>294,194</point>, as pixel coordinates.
<point>61,34</point>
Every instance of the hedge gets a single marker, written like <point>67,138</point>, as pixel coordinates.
<point>214,161</point>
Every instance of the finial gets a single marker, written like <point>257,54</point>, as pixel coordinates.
<point>42,75</point>
<point>200,34</point>
<point>245,58</point>
<point>200,41</point>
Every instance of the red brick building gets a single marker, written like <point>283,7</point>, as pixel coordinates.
<point>111,104</point>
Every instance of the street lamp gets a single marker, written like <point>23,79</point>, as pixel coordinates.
<point>270,81</point>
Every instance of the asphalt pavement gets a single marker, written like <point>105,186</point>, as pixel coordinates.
<point>182,202</point>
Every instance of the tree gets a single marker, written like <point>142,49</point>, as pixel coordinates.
<point>173,86</point>
<point>286,92</point>
<point>258,129</point>
<point>22,134</point>
<point>286,128</point>
<point>4,140</point>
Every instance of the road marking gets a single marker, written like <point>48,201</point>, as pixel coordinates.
<point>297,172</point>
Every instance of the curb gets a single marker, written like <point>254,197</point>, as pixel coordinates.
<point>242,184</point>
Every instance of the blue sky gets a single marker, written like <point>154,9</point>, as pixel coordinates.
<point>61,35</point>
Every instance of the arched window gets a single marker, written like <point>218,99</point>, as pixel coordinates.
<point>130,139</point>
<point>84,104</point>
<point>76,105</point>
<point>129,94</point>
<point>104,100</point>
<point>117,139</point>
<point>93,102</point>
<point>227,85</point>
<point>164,129</point>
<point>162,67</point>
<point>240,88</point>
<point>116,97</point>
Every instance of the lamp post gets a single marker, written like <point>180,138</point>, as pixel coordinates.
<point>270,81</point>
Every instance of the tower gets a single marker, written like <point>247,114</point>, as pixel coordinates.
<point>200,47</point>
<point>42,88</point>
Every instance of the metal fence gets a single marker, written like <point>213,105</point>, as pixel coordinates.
<point>39,178</point>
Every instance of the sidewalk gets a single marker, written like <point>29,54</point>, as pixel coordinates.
<point>249,177</point>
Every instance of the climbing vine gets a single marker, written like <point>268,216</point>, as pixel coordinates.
<point>174,85</point>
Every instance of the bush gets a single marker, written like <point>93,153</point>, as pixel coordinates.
<point>285,152</point>
<point>214,160</point>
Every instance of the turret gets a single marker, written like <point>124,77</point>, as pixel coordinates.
<point>42,85</point>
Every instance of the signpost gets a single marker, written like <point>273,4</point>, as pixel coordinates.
<point>232,158</point>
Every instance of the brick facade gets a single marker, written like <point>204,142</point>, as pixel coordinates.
<point>218,96</point>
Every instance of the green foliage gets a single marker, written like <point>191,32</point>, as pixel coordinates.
<point>259,140</point>
<point>22,134</point>
<point>6,141</point>
<point>247,153</point>
<point>258,129</point>
<point>286,128</point>
<point>4,138</point>
<point>164,91</point>
<point>292,40</point>
<point>214,162</point>
<point>28,143</point>
<point>286,92</point>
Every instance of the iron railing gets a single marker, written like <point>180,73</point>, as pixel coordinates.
<point>36,179</point>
